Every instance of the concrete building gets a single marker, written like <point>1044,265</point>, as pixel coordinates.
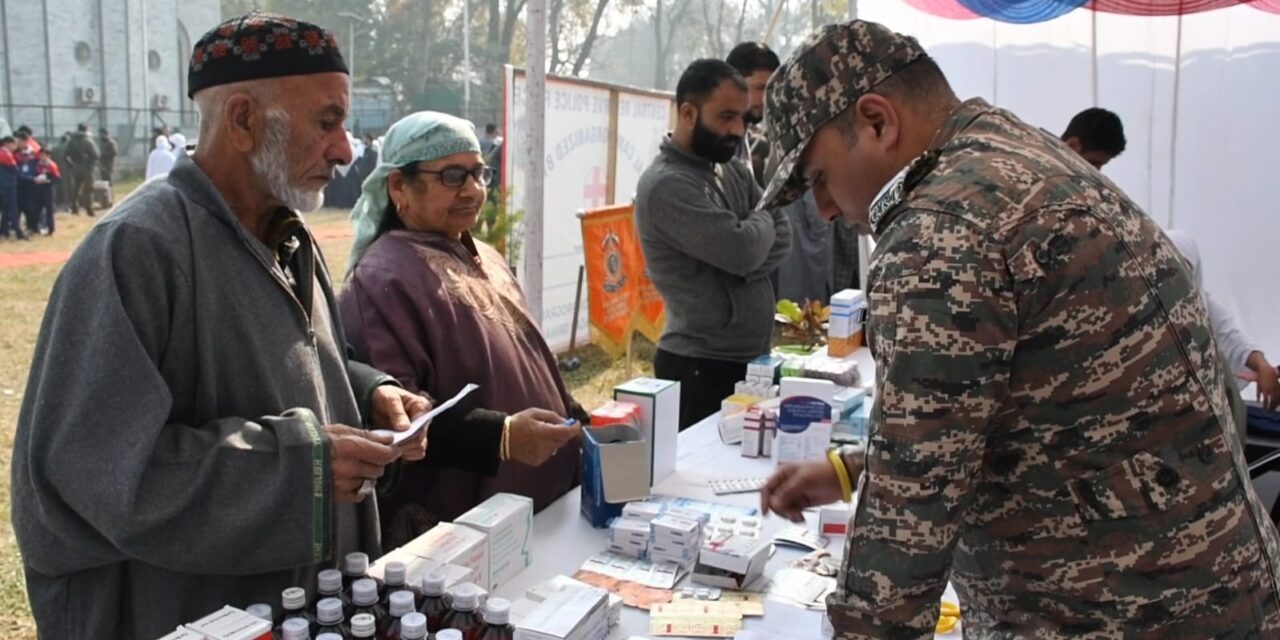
<point>119,64</point>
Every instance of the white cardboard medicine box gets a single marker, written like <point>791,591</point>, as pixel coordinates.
<point>454,544</point>
<point>659,402</point>
<point>507,520</point>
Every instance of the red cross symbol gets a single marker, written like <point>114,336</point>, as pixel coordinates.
<point>595,192</point>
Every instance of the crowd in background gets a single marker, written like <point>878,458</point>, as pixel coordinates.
<point>38,180</point>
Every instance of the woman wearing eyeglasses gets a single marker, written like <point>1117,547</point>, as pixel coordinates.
<point>429,304</point>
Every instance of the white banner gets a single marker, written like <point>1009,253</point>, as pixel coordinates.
<point>577,171</point>
<point>643,121</point>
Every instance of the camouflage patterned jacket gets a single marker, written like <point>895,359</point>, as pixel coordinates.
<point>1052,428</point>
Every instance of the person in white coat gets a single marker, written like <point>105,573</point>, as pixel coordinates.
<point>1097,135</point>
<point>1243,354</point>
<point>161,159</point>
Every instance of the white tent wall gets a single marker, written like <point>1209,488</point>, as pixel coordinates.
<point>1203,159</point>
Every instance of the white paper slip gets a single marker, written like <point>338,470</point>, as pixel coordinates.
<point>727,486</point>
<point>800,537</point>
<point>423,420</point>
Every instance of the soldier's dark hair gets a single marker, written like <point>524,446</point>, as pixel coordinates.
<point>491,128</point>
<point>921,83</point>
<point>1097,130</point>
<point>6,140</point>
<point>22,135</point>
<point>82,127</point>
<point>24,129</point>
<point>750,57</point>
<point>104,131</point>
<point>703,77</point>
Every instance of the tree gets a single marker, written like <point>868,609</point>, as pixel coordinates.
<point>665,31</point>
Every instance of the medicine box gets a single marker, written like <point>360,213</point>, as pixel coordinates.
<point>574,613</point>
<point>804,430</point>
<point>231,623</point>
<point>507,520</point>
<point>615,471</point>
<point>613,412</point>
<point>646,511</point>
<point>659,411</point>
<point>184,634</point>
<point>833,520</point>
<point>417,568</point>
<point>451,543</point>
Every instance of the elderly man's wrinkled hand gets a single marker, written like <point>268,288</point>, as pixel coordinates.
<point>357,458</point>
<point>395,408</point>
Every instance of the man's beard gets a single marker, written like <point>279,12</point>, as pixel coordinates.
<point>716,148</point>
<point>271,164</point>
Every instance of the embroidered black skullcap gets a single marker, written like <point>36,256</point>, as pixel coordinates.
<point>261,45</point>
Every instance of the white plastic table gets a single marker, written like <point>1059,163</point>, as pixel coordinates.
<point>563,539</point>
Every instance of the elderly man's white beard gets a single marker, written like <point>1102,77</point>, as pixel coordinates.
<point>271,164</point>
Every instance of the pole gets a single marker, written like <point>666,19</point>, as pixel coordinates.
<point>466,59</point>
<point>853,9</point>
<point>1173,134</point>
<point>351,43</point>
<point>535,143</point>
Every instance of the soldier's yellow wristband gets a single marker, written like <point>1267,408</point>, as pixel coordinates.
<point>846,485</point>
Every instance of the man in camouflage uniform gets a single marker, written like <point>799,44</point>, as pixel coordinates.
<point>82,157</point>
<point>1053,429</point>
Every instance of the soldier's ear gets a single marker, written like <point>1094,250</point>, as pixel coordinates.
<point>878,113</point>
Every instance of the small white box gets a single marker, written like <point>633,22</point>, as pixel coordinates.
<point>646,511</point>
<point>540,592</point>
<point>507,520</point>
<point>689,513</point>
<point>629,529</point>
<point>184,634</point>
<point>833,520</point>
<point>231,623</point>
<point>659,402</point>
<point>824,390</point>
<point>574,613</point>
<point>415,569</point>
<point>733,553</point>
<point>671,527</point>
<point>454,544</point>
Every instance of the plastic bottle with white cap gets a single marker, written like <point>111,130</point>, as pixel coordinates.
<point>448,634</point>
<point>261,611</point>
<point>497,620</point>
<point>464,614</point>
<point>413,627</point>
<point>330,636</point>
<point>364,599</point>
<point>394,576</point>
<point>295,629</point>
<point>363,626</point>
<point>354,567</point>
<point>402,604</point>
<point>330,617</point>
<point>293,605</point>
<point>434,606</point>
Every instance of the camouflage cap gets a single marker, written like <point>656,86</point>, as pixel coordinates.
<point>825,75</point>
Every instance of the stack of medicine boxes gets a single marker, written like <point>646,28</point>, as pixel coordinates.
<point>844,333</point>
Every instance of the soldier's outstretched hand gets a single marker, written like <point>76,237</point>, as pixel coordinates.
<point>799,486</point>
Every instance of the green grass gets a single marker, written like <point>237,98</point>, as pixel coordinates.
<point>24,292</point>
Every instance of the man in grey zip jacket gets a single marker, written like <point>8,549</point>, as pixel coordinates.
<point>203,443</point>
<point>707,249</point>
